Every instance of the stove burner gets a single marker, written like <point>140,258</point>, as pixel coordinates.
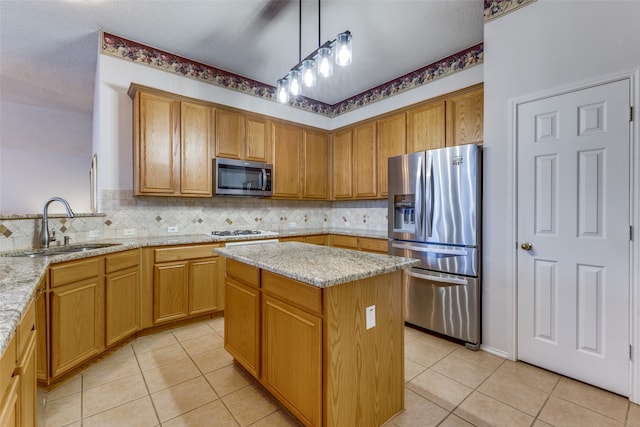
<point>236,232</point>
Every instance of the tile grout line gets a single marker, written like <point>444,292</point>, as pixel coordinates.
<point>146,386</point>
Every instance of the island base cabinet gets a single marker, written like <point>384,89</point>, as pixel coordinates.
<point>364,368</point>
<point>292,358</point>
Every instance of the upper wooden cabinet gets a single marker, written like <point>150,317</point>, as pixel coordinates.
<point>315,163</point>
<point>241,136</point>
<point>365,161</point>
<point>342,165</point>
<point>465,118</point>
<point>172,146</point>
<point>287,152</point>
<point>425,127</point>
<point>392,135</point>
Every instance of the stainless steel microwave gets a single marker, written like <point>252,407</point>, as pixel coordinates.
<point>242,178</point>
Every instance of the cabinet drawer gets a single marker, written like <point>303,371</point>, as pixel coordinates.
<point>305,296</point>
<point>75,271</point>
<point>350,242</point>
<point>243,272</point>
<point>122,260</point>
<point>320,239</point>
<point>374,245</point>
<point>26,328</point>
<point>180,253</point>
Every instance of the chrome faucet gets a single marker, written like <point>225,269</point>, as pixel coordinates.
<point>45,239</point>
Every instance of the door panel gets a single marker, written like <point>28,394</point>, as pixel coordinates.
<point>573,209</point>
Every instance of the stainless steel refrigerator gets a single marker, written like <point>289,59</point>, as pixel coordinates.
<point>435,208</point>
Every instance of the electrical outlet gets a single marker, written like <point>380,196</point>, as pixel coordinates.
<point>129,232</point>
<point>172,229</point>
<point>292,224</point>
<point>371,316</point>
<point>94,233</point>
<point>347,224</point>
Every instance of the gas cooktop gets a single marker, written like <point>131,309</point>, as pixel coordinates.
<point>242,233</point>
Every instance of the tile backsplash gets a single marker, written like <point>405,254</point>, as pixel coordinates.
<point>125,214</point>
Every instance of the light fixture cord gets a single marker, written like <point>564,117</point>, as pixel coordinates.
<point>300,33</point>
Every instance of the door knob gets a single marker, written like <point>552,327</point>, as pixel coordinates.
<point>526,246</point>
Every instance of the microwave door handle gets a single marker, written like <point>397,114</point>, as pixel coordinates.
<point>263,180</point>
<point>418,200</point>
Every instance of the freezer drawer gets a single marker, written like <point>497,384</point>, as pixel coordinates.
<point>447,259</point>
<point>443,303</point>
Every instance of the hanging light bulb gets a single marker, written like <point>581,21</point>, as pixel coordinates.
<point>295,83</point>
<point>343,49</point>
<point>309,72</point>
<point>325,65</point>
<point>283,90</point>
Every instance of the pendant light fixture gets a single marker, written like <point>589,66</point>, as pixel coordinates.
<point>318,62</point>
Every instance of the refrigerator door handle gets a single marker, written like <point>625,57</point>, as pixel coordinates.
<point>419,207</point>
<point>433,278</point>
<point>428,205</point>
<point>429,250</point>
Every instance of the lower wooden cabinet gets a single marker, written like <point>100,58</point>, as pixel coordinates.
<point>186,282</point>
<point>18,375</point>
<point>292,342</point>
<point>122,296</point>
<point>316,239</point>
<point>367,244</point>
<point>242,309</point>
<point>77,324</point>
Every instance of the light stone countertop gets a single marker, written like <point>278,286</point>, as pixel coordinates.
<point>316,265</point>
<point>19,276</point>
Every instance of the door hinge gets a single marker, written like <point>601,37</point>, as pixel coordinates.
<point>630,113</point>
<point>631,233</point>
<point>630,352</point>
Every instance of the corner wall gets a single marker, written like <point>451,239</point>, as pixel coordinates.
<point>542,46</point>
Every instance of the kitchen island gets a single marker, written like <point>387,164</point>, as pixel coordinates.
<point>322,329</point>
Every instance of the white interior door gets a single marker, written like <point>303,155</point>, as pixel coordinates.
<point>573,234</point>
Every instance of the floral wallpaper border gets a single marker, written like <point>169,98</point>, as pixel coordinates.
<point>497,8</point>
<point>122,48</point>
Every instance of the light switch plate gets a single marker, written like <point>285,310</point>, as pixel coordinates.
<point>371,316</point>
<point>94,233</point>
<point>172,229</point>
<point>129,232</point>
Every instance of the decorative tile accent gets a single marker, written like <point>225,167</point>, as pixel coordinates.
<point>497,8</point>
<point>5,231</point>
<point>108,222</point>
<point>122,48</point>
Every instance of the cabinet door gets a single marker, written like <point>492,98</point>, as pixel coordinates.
<point>425,127</point>
<point>122,304</point>
<point>292,342</point>
<point>365,161</point>
<point>28,386</point>
<point>170,291</point>
<point>257,139</point>
<point>41,332</point>
<point>465,118</point>
<point>156,147</point>
<point>392,136</point>
<point>10,404</point>
<point>195,150</point>
<point>204,277</point>
<point>286,161</point>
<point>229,134</point>
<point>342,161</point>
<point>242,311</point>
<point>315,154</point>
<point>77,318</point>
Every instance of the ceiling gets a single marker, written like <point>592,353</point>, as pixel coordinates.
<point>48,48</point>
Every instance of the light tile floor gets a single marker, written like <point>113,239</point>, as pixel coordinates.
<point>184,377</point>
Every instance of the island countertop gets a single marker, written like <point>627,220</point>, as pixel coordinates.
<point>316,265</point>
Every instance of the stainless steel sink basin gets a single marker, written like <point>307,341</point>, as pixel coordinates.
<point>63,250</point>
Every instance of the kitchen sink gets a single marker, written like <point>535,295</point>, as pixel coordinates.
<point>63,250</point>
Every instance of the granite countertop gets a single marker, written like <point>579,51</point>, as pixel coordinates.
<point>316,265</point>
<point>19,276</point>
